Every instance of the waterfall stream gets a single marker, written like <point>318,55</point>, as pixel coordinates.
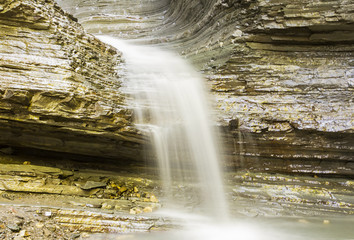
<point>169,101</point>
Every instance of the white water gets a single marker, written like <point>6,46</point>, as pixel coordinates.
<point>170,101</point>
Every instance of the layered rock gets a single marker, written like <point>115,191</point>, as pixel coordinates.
<point>281,71</point>
<point>59,86</point>
<point>272,65</point>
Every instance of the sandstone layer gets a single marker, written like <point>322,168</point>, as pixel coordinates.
<point>59,86</point>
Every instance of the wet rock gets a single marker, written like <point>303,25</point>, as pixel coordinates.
<point>277,67</point>
<point>91,185</point>
<point>59,86</point>
<point>13,227</point>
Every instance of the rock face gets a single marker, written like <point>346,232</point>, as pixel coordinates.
<point>273,65</point>
<point>59,87</point>
<point>282,72</point>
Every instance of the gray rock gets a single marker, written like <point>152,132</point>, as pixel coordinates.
<point>13,227</point>
<point>91,185</point>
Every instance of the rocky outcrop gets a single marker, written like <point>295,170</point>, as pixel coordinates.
<point>59,86</point>
<point>281,71</point>
<point>272,64</point>
<point>291,68</point>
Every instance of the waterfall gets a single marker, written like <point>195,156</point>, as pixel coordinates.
<point>169,100</point>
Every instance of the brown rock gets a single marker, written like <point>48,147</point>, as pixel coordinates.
<point>59,87</point>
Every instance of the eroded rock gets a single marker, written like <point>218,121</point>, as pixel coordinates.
<point>59,86</point>
<point>282,70</point>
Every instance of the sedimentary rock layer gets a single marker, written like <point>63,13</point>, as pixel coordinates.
<point>281,72</point>
<point>59,87</point>
<point>282,69</point>
<point>271,64</point>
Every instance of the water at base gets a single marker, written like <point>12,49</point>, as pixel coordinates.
<point>170,102</point>
<point>281,228</point>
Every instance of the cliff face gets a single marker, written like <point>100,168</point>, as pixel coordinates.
<point>281,72</point>
<point>59,87</point>
<point>272,64</point>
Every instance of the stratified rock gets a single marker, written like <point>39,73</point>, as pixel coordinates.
<point>268,62</point>
<point>282,72</point>
<point>59,86</point>
<point>92,184</point>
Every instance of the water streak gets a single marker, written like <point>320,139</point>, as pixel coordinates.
<point>170,101</point>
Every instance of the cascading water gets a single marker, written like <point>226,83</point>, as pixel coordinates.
<point>169,100</point>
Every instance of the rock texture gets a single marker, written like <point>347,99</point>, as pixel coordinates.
<point>59,86</point>
<point>272,64</point>
<point>281,72</point>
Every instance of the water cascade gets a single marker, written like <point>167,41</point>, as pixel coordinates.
<point>170,103</point>
<point>169,100</point>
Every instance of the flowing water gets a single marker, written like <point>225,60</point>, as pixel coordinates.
<point>170,102</point>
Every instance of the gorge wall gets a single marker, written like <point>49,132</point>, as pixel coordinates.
<point>281,72</point>
<point>59,87</point>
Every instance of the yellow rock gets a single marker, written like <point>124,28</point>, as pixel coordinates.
<point>153,199</point>
<point>26,163</point>
<point>123,189</point>
<point>135,211</point>
<point>24,233</point>
<point>136,189</point>
<point>147,210</point>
